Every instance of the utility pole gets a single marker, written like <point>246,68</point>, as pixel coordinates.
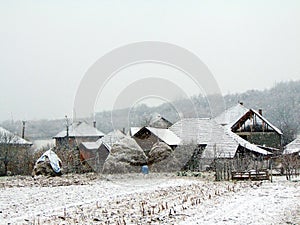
<point>23,129</point>
<point>67,129</point>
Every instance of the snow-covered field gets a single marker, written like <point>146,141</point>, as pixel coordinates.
<point>151,199</point>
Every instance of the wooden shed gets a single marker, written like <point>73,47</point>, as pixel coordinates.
<point>94,154</point>
<point>146,137</point>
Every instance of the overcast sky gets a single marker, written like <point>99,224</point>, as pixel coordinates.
<point>46,47</point>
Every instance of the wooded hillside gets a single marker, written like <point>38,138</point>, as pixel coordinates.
<point>280,105</point>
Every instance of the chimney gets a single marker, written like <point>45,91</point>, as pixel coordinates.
<point>241,103</point>
<point>260,111</point>
<point>94,124</point>
<point>123,130</point>
<point>23,129</point>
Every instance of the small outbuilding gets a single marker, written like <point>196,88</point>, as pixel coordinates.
<point>94,154</point>
<point>146,137</point>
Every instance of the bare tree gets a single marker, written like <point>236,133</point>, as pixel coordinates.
<point>290,164</point>
<point>8,149</point>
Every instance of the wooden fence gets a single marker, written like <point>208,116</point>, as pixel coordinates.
<point>251,175</point>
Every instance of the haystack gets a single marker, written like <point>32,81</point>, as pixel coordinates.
<point>49,164</point>
<point>162,158</point>
<point>126,156</point>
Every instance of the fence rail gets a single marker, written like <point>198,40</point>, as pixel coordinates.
<point>251,175</point>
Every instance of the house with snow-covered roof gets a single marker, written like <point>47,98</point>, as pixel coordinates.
<point>213,141</point>
<point>78,132</point>
<point>252,126</point>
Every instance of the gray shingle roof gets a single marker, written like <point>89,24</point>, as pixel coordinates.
<point>220,142</point>
<point>113,137</point>
<point>108,140</point>
<point>80,129</point>
<point>292,147</point>
<point>193,130</point>
<point>231,115</point>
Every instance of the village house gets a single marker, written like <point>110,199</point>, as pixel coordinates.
<point>78,132</point>
<point>146,137</point>
<point>13,153</point>
<point>252,126</point>
<point>214,142</point>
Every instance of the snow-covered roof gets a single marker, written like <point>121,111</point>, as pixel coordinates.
<point>193,130</point>
<point>6,137</point>
<point>292,147</point>
<point>134,130</point>
<point>158,121</point>
<point>231,115</point>
<point>108,140</point>
<point>220,142</point>
<point>206,132</point>
<point>165,135</point>
<point>267,122</point>
<point>94,145</point>
<point>246,144</point>
<point>113,137</point>
<point>80,129</point>
<point>91,145</point>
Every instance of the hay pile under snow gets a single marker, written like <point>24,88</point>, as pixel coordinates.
<point>126,156</point>
<point>162,158</point>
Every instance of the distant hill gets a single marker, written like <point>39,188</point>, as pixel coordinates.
<point>280,104</point>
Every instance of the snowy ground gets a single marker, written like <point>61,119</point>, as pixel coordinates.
<point>154,199</point>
